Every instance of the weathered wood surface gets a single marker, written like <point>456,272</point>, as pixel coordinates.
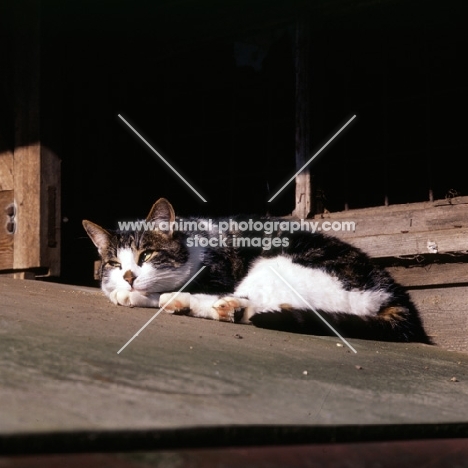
<point>405,230</point>
<point>411,243</point>
<point>302,64</point>
<point>27,195</point>
<point>431,239</point>
<point>6,199</point>
<point>6,171</point>
<point>431,274</point>
<point>27,151</point>
<point>444,312</point>
<point>32,171</point>
<point>401,219</point>
<point>58,357</point>
<point>37,197</point>
<point>6,238</point>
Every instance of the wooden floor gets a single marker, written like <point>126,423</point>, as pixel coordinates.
<point>60,370</point>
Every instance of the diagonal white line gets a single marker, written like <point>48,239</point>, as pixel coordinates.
<point>314,311</point>
<point>159,155</point>
<point>312,158</point>
<point>160,310</point>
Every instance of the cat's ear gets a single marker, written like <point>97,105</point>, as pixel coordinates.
<point>98,235</point>
<point>162,215</point>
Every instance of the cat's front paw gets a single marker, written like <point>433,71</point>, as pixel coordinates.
<point>121,297</point>
<point>175,302</point>
<point>232,309</point>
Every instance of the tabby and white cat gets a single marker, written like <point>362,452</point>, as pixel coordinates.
<point>281,287</point>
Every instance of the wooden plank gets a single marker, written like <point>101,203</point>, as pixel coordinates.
<point>27,152</point>
<point>6,237</point>
<point>371,211</point>
<point>36,171</point>
<point>431,275</point>
<point>416,217</point>
<point>443,311</point>
<point>37,193</point>
<point>27,194</point>
<point>411,244</point>
<point>6,171</point>
<point>402,230</point>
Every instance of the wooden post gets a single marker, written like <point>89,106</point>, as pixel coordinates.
<point>30,176</point>
<point>26,156</point>
<point>302,58</point>
<point>7,210</point>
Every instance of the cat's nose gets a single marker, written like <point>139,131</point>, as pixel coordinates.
<point>129,277</point>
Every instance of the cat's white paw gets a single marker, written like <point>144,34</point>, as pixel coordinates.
<point>228,307</point>
<point>174,302</point>
<point>127,298</point>
<point>121,297</point>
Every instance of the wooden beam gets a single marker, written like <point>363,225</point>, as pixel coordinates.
<point>6,234</point>
<point>411,244</point>
<point>27,182</point>
<point>303,204</point>
<point>405,230</point>
<point>35,169</point>
<point>27,151</point>
<point>400,219</point>
<point>431,275</point>
<point>6,171</point>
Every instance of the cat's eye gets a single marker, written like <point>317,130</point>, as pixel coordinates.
<point>114,264</point>
<point>146,255</point>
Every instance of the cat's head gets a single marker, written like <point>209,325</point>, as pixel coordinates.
<point>147,260</point>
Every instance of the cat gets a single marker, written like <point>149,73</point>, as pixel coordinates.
<point>279,280</point>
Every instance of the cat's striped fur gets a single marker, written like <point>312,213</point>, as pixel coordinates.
<point>281,287</point>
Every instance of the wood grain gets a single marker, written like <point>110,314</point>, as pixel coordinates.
<point>401,219</point>
<point>403,230</point>
<point>302,64</point>
<point>444,315</point>
<point>6,238</point>
<point>27,155</point>
<point>36,170</point>
<point>411,243</point>
<point>431,275</point>
<point>27,194</point>
<point>6,171</point>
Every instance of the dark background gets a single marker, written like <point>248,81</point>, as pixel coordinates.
<point>211,85</point>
